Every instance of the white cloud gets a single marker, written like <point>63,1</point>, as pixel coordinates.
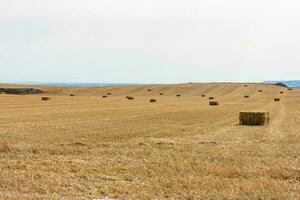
<point>153,40</point>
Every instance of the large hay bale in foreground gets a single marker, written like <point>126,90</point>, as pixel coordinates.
<point>45,98</point>
<point>152,100</point>
<point>213,103</point>
<point>276,99</point>
<point>254,118</point>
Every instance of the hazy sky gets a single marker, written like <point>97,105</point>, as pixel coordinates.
<point>147,41</point>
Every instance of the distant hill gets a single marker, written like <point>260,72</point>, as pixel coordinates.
<point>21,91</point>
<point>292,84</point>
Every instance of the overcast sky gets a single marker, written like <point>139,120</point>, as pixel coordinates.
<point>149,41</point>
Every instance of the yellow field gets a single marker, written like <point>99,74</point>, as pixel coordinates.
<point>87,147</point>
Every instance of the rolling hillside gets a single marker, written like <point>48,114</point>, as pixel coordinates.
<point>88,147</point>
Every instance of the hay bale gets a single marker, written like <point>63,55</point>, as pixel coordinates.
<point>213,103</point>
<point>104,96</point>
<point>45,98</point>
<point>260,91</point>
<point>109,93</point>
<point>130,98</point>
<point>4,147</point>
<point>245,85</point>
<point>178,95</point>
<point>281,92</point>
<point>72,95</point>
<point>161,93</point>
<point>246,96</point>
<point>254,118</point>
<point>203,95</point>
<point>290,88</point>
<point>149,90</point>
<point>152,100</point>
<point>276,99</point>
<point>211,98</point>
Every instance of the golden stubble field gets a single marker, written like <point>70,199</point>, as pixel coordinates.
<point>87,147</point>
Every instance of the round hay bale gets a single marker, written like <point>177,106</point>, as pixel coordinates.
<point>161,93</point>
<point>211,98</point>
<point>246,96</point>
<point>276,99</point>
<point>152,100</point>
<point>260,90</point>
<point>149,90</point>
<point>281,92</point>
<point>104,96</point>
<point>109,93</point>
<point>178,95</point>
<point>203,95</point>
<point>245,85</point>
<point>72,95</point>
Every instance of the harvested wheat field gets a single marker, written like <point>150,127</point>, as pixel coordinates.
<point>89,147</point>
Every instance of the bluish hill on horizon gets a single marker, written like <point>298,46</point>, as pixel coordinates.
<point>292,84</point>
